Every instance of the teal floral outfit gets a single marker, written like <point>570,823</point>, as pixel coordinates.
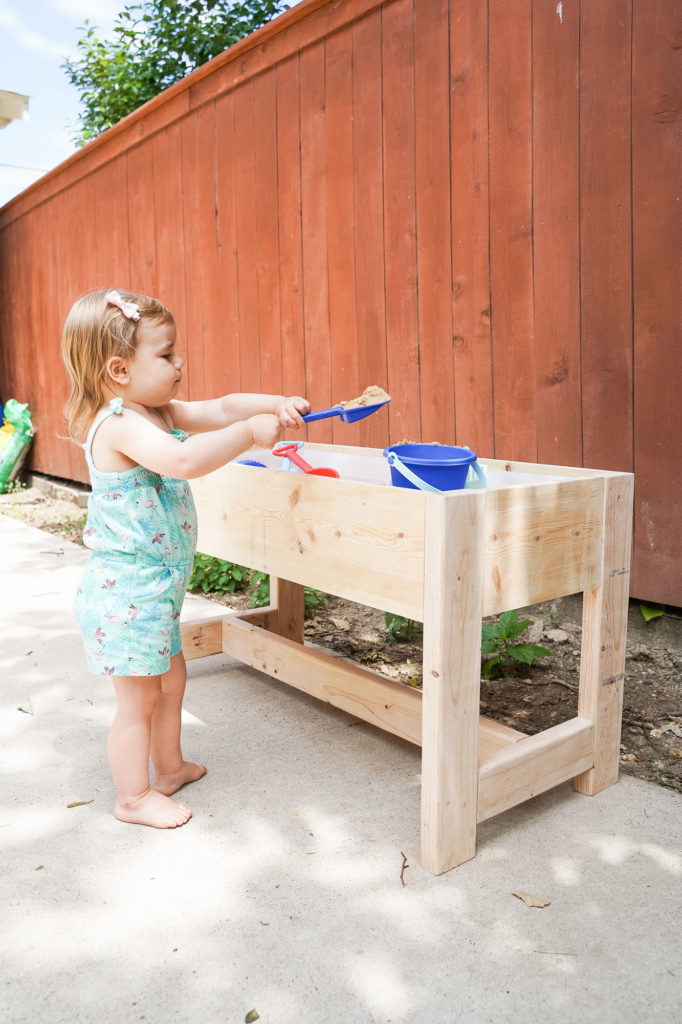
<point>142,531</point>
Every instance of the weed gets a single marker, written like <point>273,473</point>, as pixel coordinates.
<point>399,628</point>
<point>499,639</point>
<point>260,595</point>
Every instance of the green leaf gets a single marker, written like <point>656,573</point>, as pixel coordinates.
<point>492,667</point>
<point>527,653</point>
<point>651,611</point>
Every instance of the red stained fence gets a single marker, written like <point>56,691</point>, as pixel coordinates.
<point>473,205</point>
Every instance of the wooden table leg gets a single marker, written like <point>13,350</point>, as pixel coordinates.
<point>452,678</point>
<point>289,600</point>
<point>602,662</point>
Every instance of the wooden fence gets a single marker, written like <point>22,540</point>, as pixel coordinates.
<point>471,204</point>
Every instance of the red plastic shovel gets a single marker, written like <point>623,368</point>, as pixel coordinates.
<point>291,452</point>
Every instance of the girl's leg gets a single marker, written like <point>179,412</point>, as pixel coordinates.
<point>129,744</point>
<point>172,771</point>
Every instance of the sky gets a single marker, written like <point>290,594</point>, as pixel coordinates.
<point>35,38</point>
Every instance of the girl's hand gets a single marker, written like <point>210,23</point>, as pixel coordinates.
<point>266,430</point>
<point>288,411</point>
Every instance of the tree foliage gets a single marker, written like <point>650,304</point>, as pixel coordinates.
<point>154,44</point>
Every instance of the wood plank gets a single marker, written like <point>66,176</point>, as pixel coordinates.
<point>201,254</point>
<point>289,525</point>
<point>383,702</point>
<point>469,198</point>
<point>318,388</point>
<point>556,231</point>
<point>402,326</point>
<point>267,234</point>
<point>511,243</point>
<point>169,230</point>
<point>657,269</point>
<point>201,639</point>
<point>453,585</point>
<point>289,600</point>
<point>289,204</point>
<point>112,259</point>
<point>340,258</point>
<point>602,661</point>
<point>228,372</point>
<point>533,765</point>
<point>434,253</point>
<point>368,204</point>
<point>247,252</point>
<point>141,233</point>
<point>338,682</point>
<point>606,233</point>
<point>542,542</point>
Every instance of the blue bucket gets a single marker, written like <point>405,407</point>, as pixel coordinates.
<point>429,467</point>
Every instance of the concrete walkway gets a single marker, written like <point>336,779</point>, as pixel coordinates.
<point>283,893</point>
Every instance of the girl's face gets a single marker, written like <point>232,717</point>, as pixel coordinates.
<point>155,371</point>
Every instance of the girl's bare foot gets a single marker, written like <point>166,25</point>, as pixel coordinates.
<point>172,781</point>
<point>154,809</point>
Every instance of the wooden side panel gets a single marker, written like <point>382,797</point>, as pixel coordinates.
<point>556,232</point>
<point>471,338</point>
<point>290,526</point>
<point>542,542</point>
<point>511,243</point>
<point>606,234</point>
<point>434,255</point>
<point>402,326</point>
<point>657,233</point>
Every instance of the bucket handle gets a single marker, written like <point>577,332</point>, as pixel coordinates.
<point>394,461</point>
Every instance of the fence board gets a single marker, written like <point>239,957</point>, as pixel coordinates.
<point>556,234</point>
<point>370,299</point>
<point>605,235</point>
<point>471,204</point>
<point>402,326</point>
<point>657,186</point>
<point>434,255</point>
<point>289,202</point>
<point>470,226</point>
<point>511,242</point>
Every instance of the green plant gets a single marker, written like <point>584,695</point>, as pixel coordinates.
<point>399,628</point>
<point>499,638</point>
<point>260,595</point>
<point>213,575</point>
<point>154,43</point>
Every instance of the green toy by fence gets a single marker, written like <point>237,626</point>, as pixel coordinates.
<point>15,440</point>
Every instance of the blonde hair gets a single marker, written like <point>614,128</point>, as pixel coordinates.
<point>95,331</point>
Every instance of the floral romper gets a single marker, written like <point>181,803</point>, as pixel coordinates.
<point>142,530</point>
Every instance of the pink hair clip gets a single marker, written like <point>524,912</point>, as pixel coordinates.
<point>131,310</point>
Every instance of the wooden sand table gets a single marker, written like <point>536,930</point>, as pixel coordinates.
<point>444,559</point>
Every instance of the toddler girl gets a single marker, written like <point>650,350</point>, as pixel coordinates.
<point>141,445</point>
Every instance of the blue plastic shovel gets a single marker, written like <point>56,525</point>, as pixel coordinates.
<point>357,412</point>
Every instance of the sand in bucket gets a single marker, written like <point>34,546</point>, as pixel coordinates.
<point>438,467</point>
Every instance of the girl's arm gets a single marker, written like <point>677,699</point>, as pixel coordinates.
<point>148,445</point>
<point>196,417</point>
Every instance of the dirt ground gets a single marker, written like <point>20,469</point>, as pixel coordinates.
<point>537,697</point>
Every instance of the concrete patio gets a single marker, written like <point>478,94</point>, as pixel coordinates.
<point>283,894</point>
